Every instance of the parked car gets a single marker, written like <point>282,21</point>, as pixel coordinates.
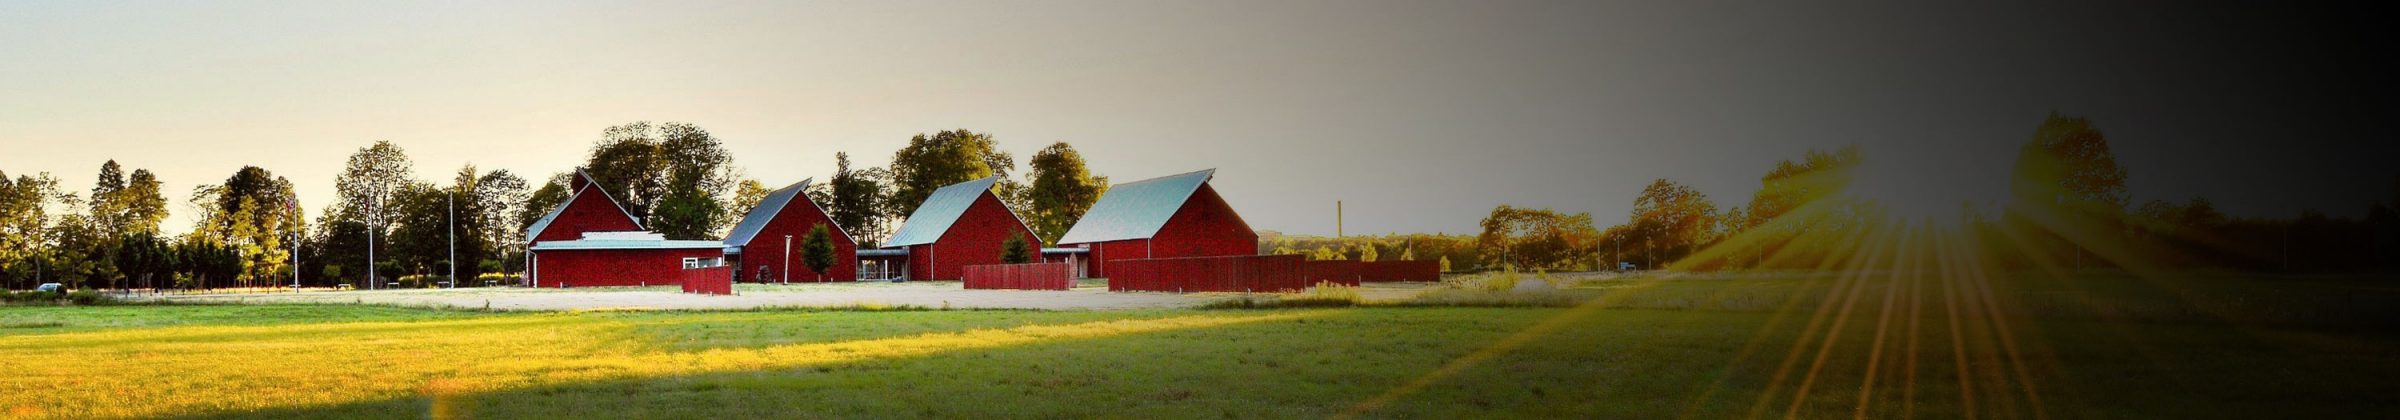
<point>51,287</point>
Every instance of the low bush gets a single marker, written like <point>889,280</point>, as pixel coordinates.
<point>80,298</point>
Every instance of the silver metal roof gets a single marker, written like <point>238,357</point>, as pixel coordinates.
<point>624,240</point>
<point>941,209</point>
<point>589,184</point>
<point>886,252</point>
<point>766,211</point>
<point>1136,210</point>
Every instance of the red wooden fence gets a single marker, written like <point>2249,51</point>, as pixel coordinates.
<point>1250,273</point>
<point>1381,271</point>
<point>1337,271</point>
<point>708,280</point>
<point>1036,276</point>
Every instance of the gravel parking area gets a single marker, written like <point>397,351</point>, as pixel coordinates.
<point>933,294</point>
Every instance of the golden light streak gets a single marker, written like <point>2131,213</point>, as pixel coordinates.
<point>1774,323</point>
<point>1825,309</point>
<point>1833,335</point>
<point>1883,323</point>
<point>1522,337</point>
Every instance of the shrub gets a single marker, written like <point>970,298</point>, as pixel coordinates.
<point>1499,281</point>
<point>422,281</point>
<point>1326,292</point>
<point>88,297</point>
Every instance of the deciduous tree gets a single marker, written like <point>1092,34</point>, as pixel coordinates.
<point>1063,189</point>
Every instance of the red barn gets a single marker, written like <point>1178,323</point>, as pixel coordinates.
<point>626,259</point>
<point>959,225</point>
<point>1172,216</point>
<point>770,239</point>
<point>588,208</point>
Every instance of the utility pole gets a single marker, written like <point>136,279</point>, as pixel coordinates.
<point>371,216</point>
<point>1337,219</point>
<point>453,204</point>
<point>291,206</point>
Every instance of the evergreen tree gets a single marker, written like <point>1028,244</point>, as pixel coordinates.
<point>816,250</point>
<point>1014,250</point>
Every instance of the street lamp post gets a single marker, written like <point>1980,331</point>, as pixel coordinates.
<point>1617,254</point>
<point>453,205</point>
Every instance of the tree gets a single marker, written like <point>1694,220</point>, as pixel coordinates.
<point>1326,253</point>
<point>499,197</point>
<point>1537,238</point>
<point>1013,250</point>
<point>1366,252</point>
<point>2066,180</point>
<point>747,194</point>
<point>816,250</point>
<point>542,201</point>
<point>2068,162</point>
<point>104,208</point>
<point>1062,191</point>
<point>675,178</point>
<point>856,200</point>
<point>369,185</point>
<point>24,227</point>
<point>947,157</point>
<point>1678,218</point>
<point>143,203</point>
<point>146,260</point>
<point>255,216</point>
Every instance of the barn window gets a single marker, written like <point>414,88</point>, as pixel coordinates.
<point>691,263</point>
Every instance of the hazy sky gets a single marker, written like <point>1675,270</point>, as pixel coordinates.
<point>1420,115</point>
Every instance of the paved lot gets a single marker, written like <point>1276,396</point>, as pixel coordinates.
<point>928,294</point>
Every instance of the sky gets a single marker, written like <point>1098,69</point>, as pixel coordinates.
<point>1419,116</point>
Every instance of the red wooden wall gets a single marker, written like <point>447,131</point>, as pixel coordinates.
<point>1253,273</point>
<point>1384,271</point>
<point>975,239</point>
<point>615,267</point>
<point>1337,271</point>
<point>766,249</point>
<point>589,212</point>
<point>1042,276</point>
<point>708,281</point>
<point>1204,227</point>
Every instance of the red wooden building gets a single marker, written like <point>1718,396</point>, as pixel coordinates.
<point>770,238</point>
<point>1174,216</point>
<point>588,208</point>
<point>959,225</point>
<point>626,259</point>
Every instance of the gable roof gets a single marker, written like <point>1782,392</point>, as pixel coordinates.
<point>1136,210</point>
<point>771,207</point>
<point>589,184</point>
<point>942,209</point>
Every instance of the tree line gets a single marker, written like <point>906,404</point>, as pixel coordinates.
<point>2068,209</point>
<point>674,178</point>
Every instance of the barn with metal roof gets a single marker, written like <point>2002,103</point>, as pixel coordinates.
<point>766,246</point>
<point>588,208</point>
<point>1172,216</point>
<point>591,241</point>
<point>959,225</point>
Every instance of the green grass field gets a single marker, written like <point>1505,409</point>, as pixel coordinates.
<point>2104,346</point>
